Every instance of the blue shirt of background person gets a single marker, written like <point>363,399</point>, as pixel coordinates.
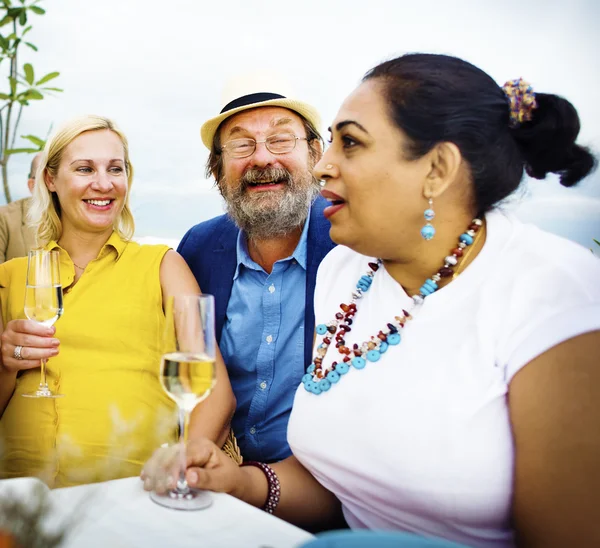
<point>256,338</point>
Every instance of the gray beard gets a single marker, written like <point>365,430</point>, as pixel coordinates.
<point>265,215</point>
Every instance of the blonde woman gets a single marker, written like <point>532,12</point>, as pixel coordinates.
<point>105,350</point>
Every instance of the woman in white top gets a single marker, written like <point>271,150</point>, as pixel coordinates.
<point>455,390</point>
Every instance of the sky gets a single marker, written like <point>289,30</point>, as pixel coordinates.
<point>158,69</point>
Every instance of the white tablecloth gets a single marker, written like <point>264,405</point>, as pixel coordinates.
<point>120,514</point>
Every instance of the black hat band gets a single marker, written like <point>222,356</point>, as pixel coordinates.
<point>250,100</point>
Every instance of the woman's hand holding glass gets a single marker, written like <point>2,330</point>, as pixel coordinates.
<point>207,467</point>
<point>36,342</point>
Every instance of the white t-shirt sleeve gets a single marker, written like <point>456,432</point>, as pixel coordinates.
<point>572,309</point>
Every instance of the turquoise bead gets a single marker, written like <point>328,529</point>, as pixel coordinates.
<point>393,339</point>
<point>383,347</point>
<point>306,378</point>
<point>321,329</point>
<point>315,389</point>
<point>359,362</point>
<point>342,368</point>
<point>307,386</point>
<point>310,368</point>
<point>429,214</point>
<point>428,232</point>
<point>373,355</point>
<point>333,376</point>
<point>324,385</point>
<point>466,239</point>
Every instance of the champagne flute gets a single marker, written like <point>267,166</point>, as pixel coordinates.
<point>187,374</point>
<point>43,302</point>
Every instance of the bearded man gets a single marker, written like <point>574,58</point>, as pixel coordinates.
<point>260,259</point>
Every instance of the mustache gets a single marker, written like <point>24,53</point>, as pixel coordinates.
<point>265,175</point>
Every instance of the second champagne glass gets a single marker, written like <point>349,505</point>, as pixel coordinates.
<point>187,374</point>
<point>43,302</point>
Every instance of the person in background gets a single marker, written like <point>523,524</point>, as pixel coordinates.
<point>104,352</point>
<point>260,259</point>
<point>16,238</point>
<point>455,386</point>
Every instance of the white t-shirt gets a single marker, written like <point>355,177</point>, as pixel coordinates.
<point>421,441</point>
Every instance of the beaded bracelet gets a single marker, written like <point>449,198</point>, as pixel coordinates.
<point>272,482</point>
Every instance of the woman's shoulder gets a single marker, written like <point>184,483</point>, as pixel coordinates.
<point>11,269</point>
<point>137,251</point>
<point>534,252</point>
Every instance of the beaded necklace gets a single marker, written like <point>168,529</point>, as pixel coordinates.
<point>316,379</point>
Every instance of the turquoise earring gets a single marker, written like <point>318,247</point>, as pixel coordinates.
<point>428,232</point>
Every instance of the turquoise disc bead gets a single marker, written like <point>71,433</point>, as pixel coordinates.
<point>359,362</point>
<point>466,239</point>
<point>321,329</point>
<point>310,368</point>
<point>373,355</point>
<point>342,368</point>
<point>324,385</point>
<point>383,347</point>
<point>393,339</point>
<point>333,376</point>
<point>306,378</point>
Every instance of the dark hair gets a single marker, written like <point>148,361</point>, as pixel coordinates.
<point>436,98</point>
<point>214,164</point>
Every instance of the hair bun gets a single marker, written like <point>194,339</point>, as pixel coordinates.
<point>547,141</point>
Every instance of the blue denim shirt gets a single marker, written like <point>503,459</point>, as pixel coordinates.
<point>263,346</point>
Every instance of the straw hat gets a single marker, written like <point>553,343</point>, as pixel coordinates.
<point>256,90</point>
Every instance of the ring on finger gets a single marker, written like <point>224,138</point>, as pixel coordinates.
<point>17,352</point>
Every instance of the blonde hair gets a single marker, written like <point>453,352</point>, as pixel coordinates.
<point>44,212</point>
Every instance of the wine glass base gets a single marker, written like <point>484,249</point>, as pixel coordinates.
<point>194,499</point>
<point>42,394</point>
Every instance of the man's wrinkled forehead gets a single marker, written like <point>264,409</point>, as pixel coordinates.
<point>260,120</point>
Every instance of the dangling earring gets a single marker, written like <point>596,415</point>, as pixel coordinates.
<point>428,232</point>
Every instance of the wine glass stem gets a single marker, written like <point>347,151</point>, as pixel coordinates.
<point>184,418</point>
<point>43,382</point>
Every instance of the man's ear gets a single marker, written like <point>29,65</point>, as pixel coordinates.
<point>315,149</point>
<point>49,180</point>
<point>445,168</point>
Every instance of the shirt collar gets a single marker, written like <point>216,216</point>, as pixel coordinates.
<point>243,256</point>
<point>114,243</point>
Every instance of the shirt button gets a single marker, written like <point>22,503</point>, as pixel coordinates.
<point>253,430</point>
<point>271,288</point>
<point>269,339</point>
<point>263,385</point>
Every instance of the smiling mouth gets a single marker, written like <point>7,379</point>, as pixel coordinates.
<point>267,183</point>
<point>99,203</point>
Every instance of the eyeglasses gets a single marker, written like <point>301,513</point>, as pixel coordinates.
<point>282,143</point>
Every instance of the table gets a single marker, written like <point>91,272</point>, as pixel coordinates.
<point>120,514</point>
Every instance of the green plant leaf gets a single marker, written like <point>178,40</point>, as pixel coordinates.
<point>596,241</point>
<point>28,70</point>
<point>4,43</point>
<point>25,31</point>
<point>19,150</point>
<point>13,85</point>
<point>34,48</point>
<point>52,89</point>
<point>4,97</point>
<point>35,140</point>
<point>47,78</point>
<point>33,94</point>
<point>23,18</point>
<point>6,20</point>
<point>37,9</point>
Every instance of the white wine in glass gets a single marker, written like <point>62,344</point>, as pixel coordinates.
<point>43,302</point>
<point>187,374</point>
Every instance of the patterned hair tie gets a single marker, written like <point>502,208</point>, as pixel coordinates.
<point>521,99</point>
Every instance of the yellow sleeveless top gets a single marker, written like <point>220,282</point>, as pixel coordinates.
<point>114,412</point>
